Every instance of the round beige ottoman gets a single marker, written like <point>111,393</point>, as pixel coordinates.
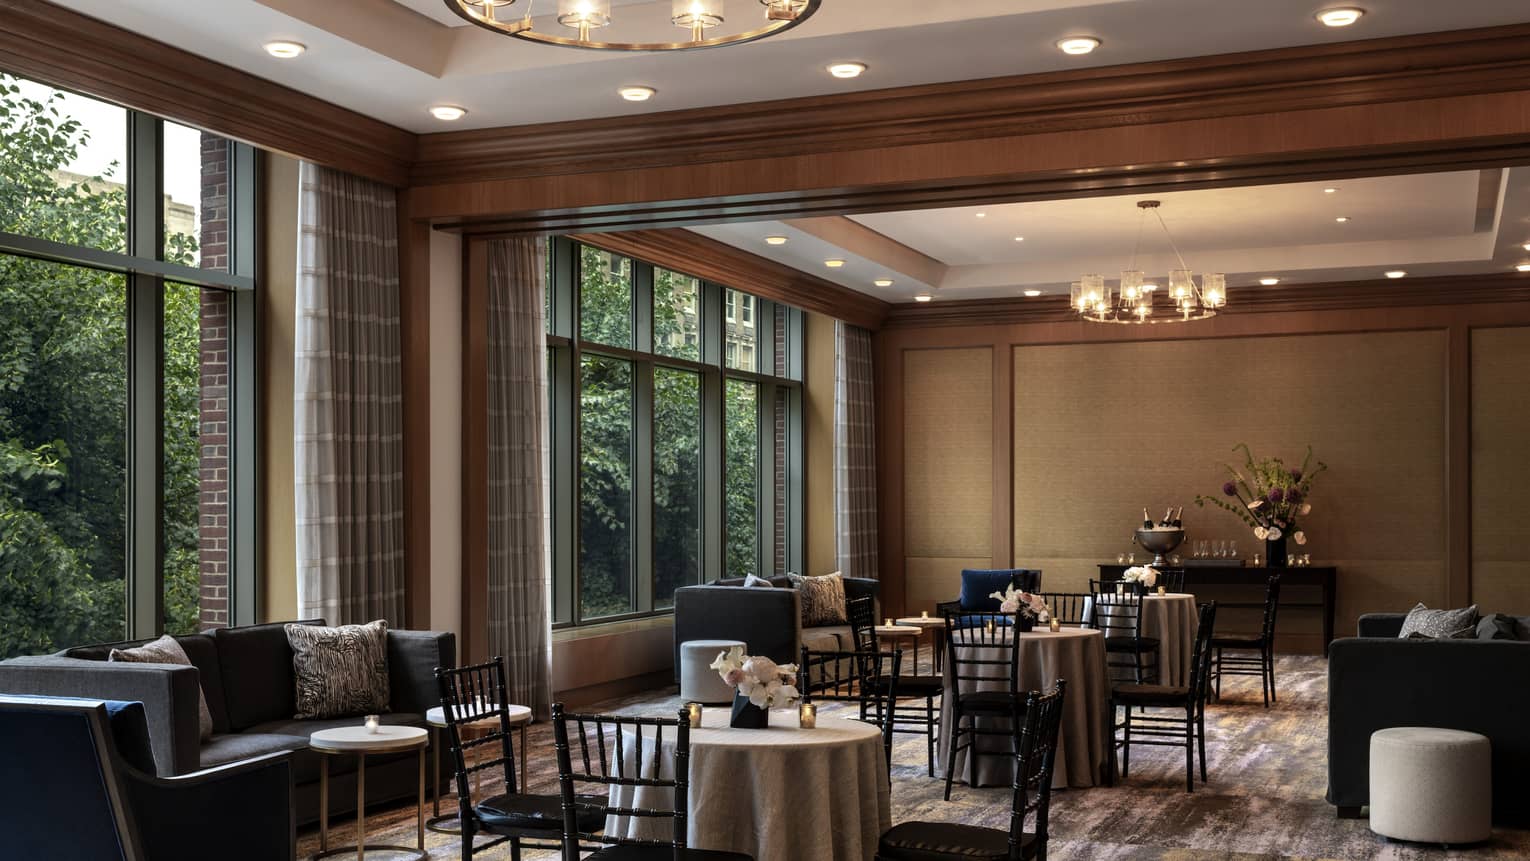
<point>699,683</point>
<point>1431,785</point>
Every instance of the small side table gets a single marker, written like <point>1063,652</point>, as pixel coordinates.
<point>359,741</point>
<point>903,632</point>
<point>520,716</point>
<point>937,627</point>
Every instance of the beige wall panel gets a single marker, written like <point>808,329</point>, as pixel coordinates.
<point>1102,430</point>
<point>818,435</point>
<point>1500,469</point>
<point>929,581</point>
<point>948,453</point>
<point>277,298</point>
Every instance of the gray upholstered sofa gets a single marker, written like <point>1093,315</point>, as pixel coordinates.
<point>246,675</point>
<point>768,620</point>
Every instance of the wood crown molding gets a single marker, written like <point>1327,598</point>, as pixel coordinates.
<point>67,49</point>
<point>706,258</point>
<point>1330,296</point>
<point>1454,63</point>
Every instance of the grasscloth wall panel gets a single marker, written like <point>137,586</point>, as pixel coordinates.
<point>1102,430</point>
<point>1501,469</point>
<point>948,468</point>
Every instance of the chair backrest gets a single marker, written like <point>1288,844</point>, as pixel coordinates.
<point>620,751</point>
<point>475,695</point>
<point>862,615</point>
<point>1200,656</point>
<point>1035,759</point>
<point>1172,579</point>
<point>869,678</point>
<point>1116,613</point>
<point>1271,607</point>
<point>981,646</point>
<point>1068,608</point>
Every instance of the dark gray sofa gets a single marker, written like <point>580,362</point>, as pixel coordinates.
<point>1376,680</point>
<point>246,674</point>
<point>768,620</point>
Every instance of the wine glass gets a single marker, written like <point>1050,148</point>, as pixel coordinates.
<point>1232,550</point>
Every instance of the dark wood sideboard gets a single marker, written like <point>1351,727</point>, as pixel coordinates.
<point>1255,579</point>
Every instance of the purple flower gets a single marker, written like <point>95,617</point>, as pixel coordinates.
<point>1296,475</point>
<point>1276,494</point>
<point>1294,495</point>
<point>1230,489</point>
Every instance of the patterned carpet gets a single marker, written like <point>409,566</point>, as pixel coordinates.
<point>1264,801</point>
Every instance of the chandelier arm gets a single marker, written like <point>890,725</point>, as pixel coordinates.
<point>1141,224</point>
<point>1172,244</point>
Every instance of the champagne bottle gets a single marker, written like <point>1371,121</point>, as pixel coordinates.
<point>1168,517</point>
<point>1147,520</point>
<point>1177,523</point>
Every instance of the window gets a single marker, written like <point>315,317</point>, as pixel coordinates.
<point>666,447</point>
<point>125,510</point>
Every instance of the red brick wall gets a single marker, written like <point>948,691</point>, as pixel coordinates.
<point>213,514</point>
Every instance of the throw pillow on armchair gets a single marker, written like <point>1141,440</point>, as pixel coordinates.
<point>823,599</point>
<point>340,671</point>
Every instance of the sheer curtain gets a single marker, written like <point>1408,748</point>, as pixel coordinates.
<point>347,415</point>
<point>855,453</point>
<point>519,615</point>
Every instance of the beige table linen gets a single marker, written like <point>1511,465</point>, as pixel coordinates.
<point>1083,746</point>
<point>778,794</point>
<point>1172,620</point>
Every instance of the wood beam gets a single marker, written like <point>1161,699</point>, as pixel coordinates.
<point>862,241</point>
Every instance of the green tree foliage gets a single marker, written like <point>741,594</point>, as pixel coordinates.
<point>63,397</point>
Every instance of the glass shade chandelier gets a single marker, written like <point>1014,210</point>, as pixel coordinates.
<point>584,19</point>
<point>1136,300</point>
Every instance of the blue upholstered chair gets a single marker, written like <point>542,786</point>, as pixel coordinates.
<point>979,584</point>
<point>77,781</point>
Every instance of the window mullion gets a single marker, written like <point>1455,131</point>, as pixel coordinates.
<point>145,383</point>
<point>642,484</point>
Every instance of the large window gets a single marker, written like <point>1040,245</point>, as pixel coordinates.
<point>124,301</point>
<point>668,455</point>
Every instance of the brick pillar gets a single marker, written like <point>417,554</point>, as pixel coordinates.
<point>214,506</point>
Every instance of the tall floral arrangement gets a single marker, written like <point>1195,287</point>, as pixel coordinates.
<point>1268,495</point>
<point>765,683</point>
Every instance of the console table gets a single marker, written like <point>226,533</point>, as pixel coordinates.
<point>1236,575</point>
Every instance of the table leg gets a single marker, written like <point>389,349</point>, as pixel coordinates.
<point>361,807</point>
<point>323,802</point>
<point>435,782</point>
<point>419,822</point>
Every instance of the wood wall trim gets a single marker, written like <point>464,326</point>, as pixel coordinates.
<point>66,49</point>
<point>414,326</point>
<point>474,639</point>
<point>1330,296</point>
<point>1408,67</point>
<point>703,257</point>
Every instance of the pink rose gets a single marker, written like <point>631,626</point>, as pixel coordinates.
<point>733,677</point>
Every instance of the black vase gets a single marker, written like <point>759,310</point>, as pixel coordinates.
<point>1275,552</point>
<point>1024,623</point>
<point>747,715</point>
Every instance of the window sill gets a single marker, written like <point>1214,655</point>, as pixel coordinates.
<point>606,629</point>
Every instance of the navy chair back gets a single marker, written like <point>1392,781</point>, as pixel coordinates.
<point>980,583</point>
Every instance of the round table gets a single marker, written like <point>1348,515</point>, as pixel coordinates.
<point>520,716</point>
<point>936,625</point>
<point>360,741</point>
<point>903,632</point>
<point>1171,619</point>
<point>1083,745</point>
<point>778,794</point>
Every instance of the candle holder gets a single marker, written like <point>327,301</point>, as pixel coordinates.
<point>988,626</point>
<point>807,716</point>
<point>1054,625</point>
<point>1162,591</point>
<point>887,623</point>
<point>373,724</point>
<point>924,614</point>
<point>694,710</point>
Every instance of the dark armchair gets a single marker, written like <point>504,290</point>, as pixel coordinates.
<point>78,782</point>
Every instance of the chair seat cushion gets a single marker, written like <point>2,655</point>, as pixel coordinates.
<point>939,841</point>
<point>912,686</point>
<point>663,853</point>
<point>988,701</point>
<point>1149,695</point>
<point>510,814</point>
<point>1238,641</point>
<point>1130,644</point>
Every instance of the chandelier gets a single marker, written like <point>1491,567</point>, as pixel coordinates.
<point>583,19</point>
<point>1136,300</point>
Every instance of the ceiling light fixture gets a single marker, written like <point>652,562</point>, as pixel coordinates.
<point>1523,267</point>
<point>283,49</point>
<point>637,94</point>
<point>584,17</point>
<point>834,263</point>
<point>1527,246</point>
<point>1341,16</point>
<point>447,113</point>
<point>1396,273</point>
<point>980,214</point>
<point>775,240</point>
<point>1343,219</point>
<point>1132,301</point>
<point>1270,281</point>
<point>923,297</point>
<point>1019,238</point>
<point>883,282</point>
<point>847,70</point>
<point>1033,293</point>
<point>1077,45</point>
<point>1330,190</point>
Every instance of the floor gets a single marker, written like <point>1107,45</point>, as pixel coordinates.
<point>1264,800</point>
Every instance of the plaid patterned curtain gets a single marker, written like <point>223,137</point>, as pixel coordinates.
<point>348,446</point>
<point>519,615</point>
<point>855,453</point>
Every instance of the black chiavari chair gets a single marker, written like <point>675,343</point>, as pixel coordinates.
<point>1173,730</point>
<point>1070,609</point>
<point>1172,579</point>
<point>618,752</point>
<point>910,719</point>
<point>1261,664</point>
<point>981,649</point>
<point>870,679</point>
<point>1116,610</point>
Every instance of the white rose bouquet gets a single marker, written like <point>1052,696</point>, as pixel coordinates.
<point>1144,574</point>
<point>768,685</point>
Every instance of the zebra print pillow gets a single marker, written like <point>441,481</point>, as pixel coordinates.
<point>340,671</point>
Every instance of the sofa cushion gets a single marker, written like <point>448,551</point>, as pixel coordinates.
<point>239,746</point>
<point>758,582</point>
<point>305,765</point>
<point>256,665</point>
<point>1497,626</point>
<point>203,653</point>
<point>166,650</point>
<point>1439,624</point>
<point>339,671</point>
<point>829,638</point>
<point>823,599</point>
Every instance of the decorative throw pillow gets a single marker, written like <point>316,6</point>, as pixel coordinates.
<point>166,650</point>
<point>1497,626</point>
<point>759,582</point>
<point>1440,624</point>
<point>823,599</point>
<point>340,671</point>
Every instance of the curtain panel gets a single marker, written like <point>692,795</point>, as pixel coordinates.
<point>348,391</point>
<point>855,453</point>
<point>519,614</point>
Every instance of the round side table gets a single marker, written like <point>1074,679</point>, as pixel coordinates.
<point>936,625</point>
<point>902,632</point>
<point>519,716</point>
<point>360,741</point>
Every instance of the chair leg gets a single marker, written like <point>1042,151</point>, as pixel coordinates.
<point>1190,751</point>
<point>1126,742</point>
<point>515,849</point>
<point>1201,738</point>
<point>972,756</point>
<point>1271,661</point>
<point>1216,676</point>
<point>929,734</point>
<point>956,737</point>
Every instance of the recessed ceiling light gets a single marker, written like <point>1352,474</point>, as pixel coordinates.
<point>775,240</point>
<point>447,113</point>
<point>1033,293</point>
<point>883,282</point>
<point>1341,16</point>
<point>637,94</point>
<point>1019,238</point>
<point>1523,267</point>
<point>1078,44</point>
<point>981,214</point>
<point>1527,246</point>
<point>284,49</point>
<point>923,297</point>
<point>847,70</point>
<point>1396,273</point>
<point>834,263</point>
<point>1343,219</point>
<point>1330,190</point>
<point>1269,282</point>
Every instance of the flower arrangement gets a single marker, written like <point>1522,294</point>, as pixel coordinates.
<point>1270,496</point>
<point>765,683</point>
<point>1020,602</point>
<point>1144,574</point>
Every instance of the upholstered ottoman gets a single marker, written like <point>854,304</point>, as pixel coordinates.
<point>699,683</point>
<point>1431,785</point>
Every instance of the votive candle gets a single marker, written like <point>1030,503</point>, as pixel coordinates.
<point>1054,625</point>
<point>373,723</point>
<point>1162,591</point>
<point>989,626</point>
<point>695,713</point>
<point>887,623</point>
<point>924,614</point>
<point>807,716</point>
